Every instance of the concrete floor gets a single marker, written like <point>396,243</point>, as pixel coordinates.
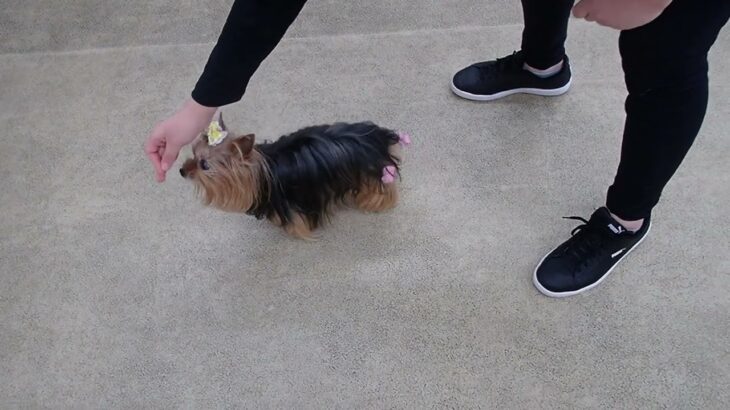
<point>117,292</point>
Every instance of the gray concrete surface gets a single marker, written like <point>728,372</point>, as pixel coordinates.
<point>79,24</point>
<point>117,292</point>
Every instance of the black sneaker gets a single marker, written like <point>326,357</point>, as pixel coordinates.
<point>586,259</point>
<point>499,78</point>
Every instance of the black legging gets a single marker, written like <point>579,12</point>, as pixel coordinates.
<point>665,67</point>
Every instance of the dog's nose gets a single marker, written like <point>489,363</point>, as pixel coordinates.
<point>183,173</point>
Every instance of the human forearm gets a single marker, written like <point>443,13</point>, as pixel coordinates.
<point>252,30</point>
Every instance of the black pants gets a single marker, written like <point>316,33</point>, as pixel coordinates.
<point>665,68</point>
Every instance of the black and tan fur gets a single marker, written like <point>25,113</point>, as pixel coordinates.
<point>297,181</point>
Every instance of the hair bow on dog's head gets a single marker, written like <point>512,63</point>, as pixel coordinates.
<point>216,131</point>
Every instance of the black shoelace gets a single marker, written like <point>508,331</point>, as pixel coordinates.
<point>510,62</point>
<point>585,242</point>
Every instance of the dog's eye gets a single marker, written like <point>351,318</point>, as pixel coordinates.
<point>204,165</point>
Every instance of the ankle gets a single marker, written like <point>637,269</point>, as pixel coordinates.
<point>632,226</point>
<point>548,72</point>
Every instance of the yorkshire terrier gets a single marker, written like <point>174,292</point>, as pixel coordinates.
<point>297,181</point>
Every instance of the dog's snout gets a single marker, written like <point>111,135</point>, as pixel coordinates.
<point>183,173</point>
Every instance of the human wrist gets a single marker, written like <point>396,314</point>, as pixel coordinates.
<point>200,114</point>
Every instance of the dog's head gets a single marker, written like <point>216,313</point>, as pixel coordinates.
<point>226,170</point>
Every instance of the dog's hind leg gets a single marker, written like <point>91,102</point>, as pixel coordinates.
<point>375,196</point>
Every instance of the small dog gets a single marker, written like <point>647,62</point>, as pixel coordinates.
<point>297,181</point>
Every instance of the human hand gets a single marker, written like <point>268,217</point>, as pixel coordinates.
<point>171,135</point>
<point>620,14</point>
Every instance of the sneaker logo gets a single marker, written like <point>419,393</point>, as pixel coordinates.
<point>617,230</point>
<point>617,253</point>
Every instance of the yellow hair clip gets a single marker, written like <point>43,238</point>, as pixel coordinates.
<point>215,133</point>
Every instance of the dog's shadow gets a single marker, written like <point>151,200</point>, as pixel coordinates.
<point>353,242</point>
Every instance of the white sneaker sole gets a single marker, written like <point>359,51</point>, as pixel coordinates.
<point>490,97</point>
<point>589,287</point>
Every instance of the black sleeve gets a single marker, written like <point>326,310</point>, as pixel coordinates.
<point>252,30</point>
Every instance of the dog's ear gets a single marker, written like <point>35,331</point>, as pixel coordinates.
<point>243,144</point>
